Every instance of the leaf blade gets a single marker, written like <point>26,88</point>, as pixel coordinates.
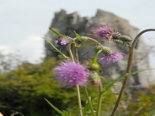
<point>107,87</point>
<point>55,108</point>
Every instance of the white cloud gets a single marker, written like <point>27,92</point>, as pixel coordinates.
<point>5,49</point>
<point>30,49</point>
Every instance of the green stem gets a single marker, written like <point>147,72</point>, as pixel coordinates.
<point>57,49</point>
<point>77,86</point>
<point>79,100</point>
<point>78,89</point>
<point>89,102</point>
<point>76,54</point>
<point>86,92</point>
<point>70,51</point>
<point>100,95</point>
<point>96,56</point>
<point>95,59</point>
<point>131,51</point>
<point>95,41</point>
<point>99,101</point>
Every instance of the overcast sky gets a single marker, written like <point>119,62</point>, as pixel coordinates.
<point>23,23</point>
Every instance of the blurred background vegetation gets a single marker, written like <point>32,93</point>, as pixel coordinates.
<point>23,88</point>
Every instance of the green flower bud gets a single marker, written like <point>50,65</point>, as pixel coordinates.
<point>94,66</point>
<point>82,38</point>
<point>121,42</point>
<point>106,51</point>
<point>97,48</point>
<point>96,79</point>
<point>125,38</point>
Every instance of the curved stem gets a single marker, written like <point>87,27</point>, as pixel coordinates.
<point>137,37</point>
<point>95,41</point>
<point>131,51</point>
<point>89,102</point>
<point>125,81</point>
<point>99,101</point>
<point>96,56</point>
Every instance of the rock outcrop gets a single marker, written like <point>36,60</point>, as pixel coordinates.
<point>66,23</point>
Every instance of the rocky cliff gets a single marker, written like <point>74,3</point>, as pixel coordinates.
<point>66,23</point>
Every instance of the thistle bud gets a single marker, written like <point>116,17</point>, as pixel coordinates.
<point>82,38</point>
<point>125,38</point>
<point>106,51</point>
<point>121,42</point>
<point>62,41</point>
<point>97,48</point>
<point>94,66</point>
<point>96,79</point>
<point>116,36</point>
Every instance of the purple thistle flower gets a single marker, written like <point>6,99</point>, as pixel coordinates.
<point>103,32</point>
<point>62,41</point>
<point>71,74</point>
<point>113,57</point>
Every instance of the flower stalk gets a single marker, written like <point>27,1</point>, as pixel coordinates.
<point>99,100</point>
<point>131,51</point>
<point>77,86</point>
<point>79,99</point>
<point>89,102</point>
<point>85,88</point>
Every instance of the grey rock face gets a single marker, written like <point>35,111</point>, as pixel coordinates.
<point>66,23</point>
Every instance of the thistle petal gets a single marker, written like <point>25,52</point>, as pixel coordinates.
<point>71,74</point>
